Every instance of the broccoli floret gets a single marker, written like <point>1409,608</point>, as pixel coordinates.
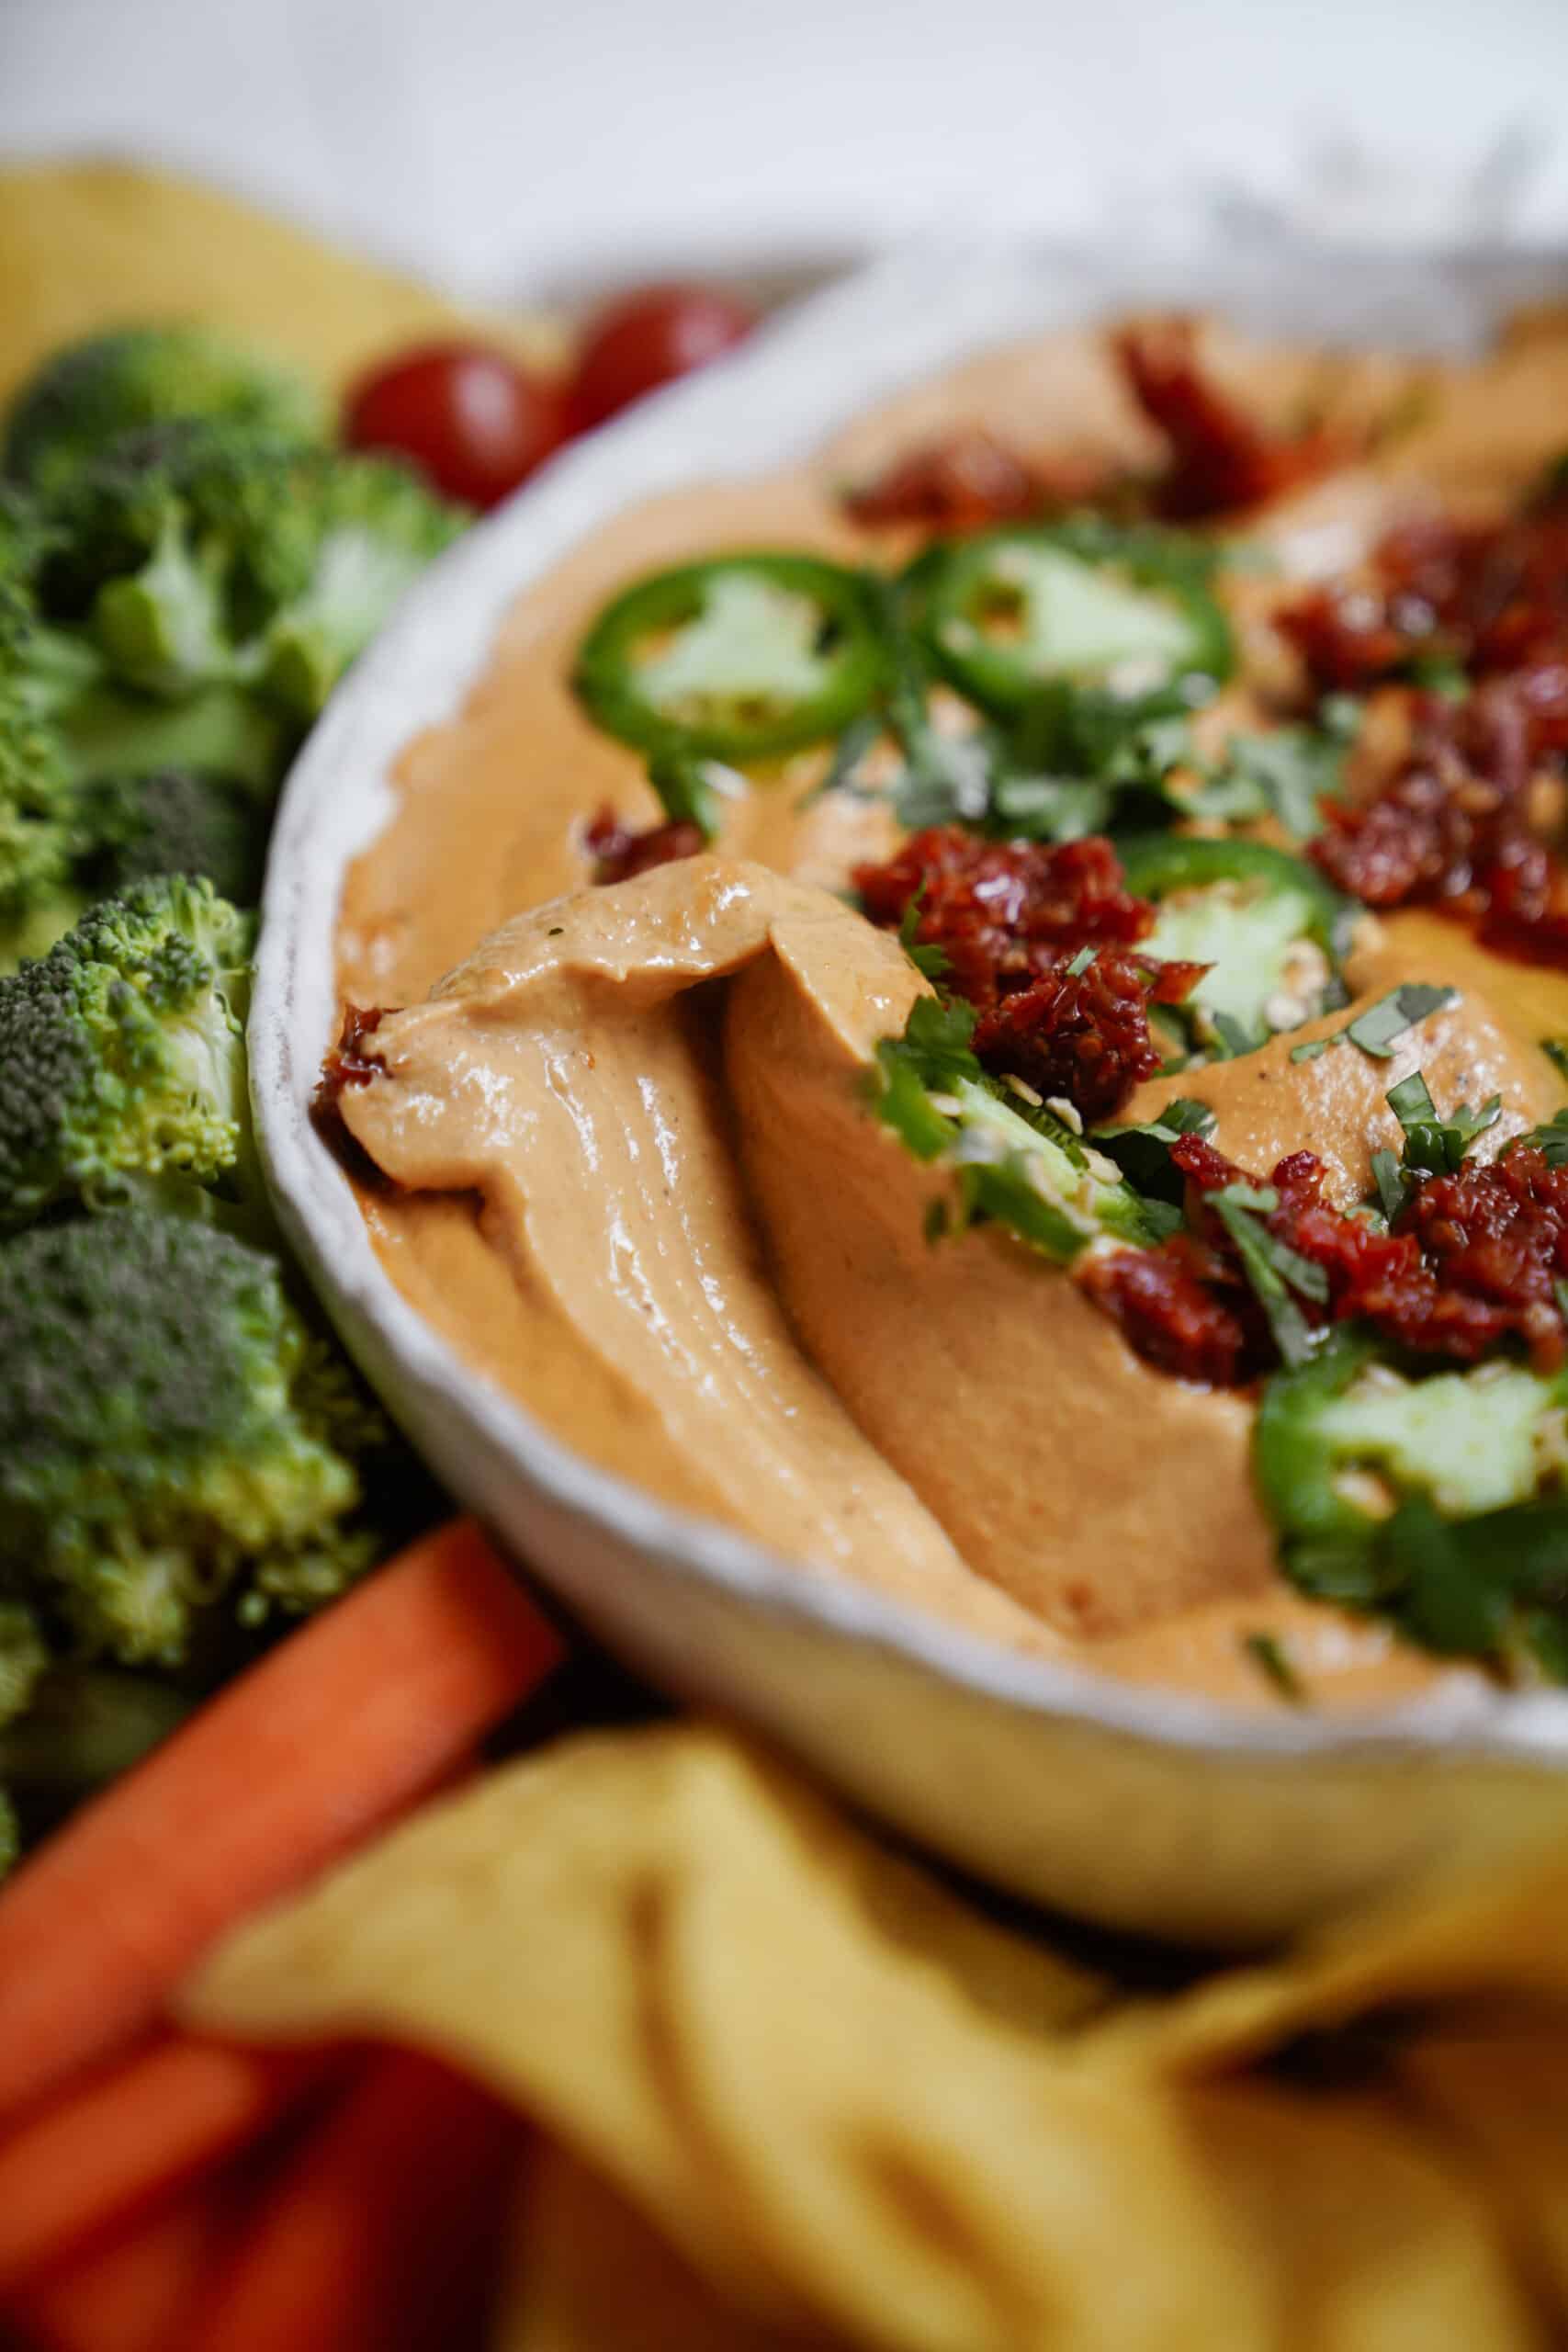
<point>24,1656</point>
<point>197,556</point>
<point>172,1438</point>
<point>109,384</point>
<point>178,820</point>
<point>122,1056</point>
<point>378,527</point>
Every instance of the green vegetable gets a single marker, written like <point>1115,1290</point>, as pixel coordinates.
<point>690,789</point>
<point>172,1436</point>
<point>740,659</point>
<point>1010,611</point>
<point>195,555</point>
<point>1550,1139</point>
<point>122,1056</point>
<point>1286,773</point>
<point>177,821</point>
<point>1143,1153</point>
<point>1379,1029</point>
<point>1267,1654</point>
<point>1435,1146</point>
<point>1429,1497</point>
<point>1015,1163</point>
<point>1277,1276</point>
<point>1269,925</point>
<point>83,1726</point>
<point>92,391</point>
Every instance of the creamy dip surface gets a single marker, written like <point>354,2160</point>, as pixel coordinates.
<point>636,1180</point>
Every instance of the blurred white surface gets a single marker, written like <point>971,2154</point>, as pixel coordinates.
<point>530,145</point>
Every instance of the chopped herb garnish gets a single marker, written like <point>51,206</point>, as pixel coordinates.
<point>1551,1139</point>
<point>932,961</point>
<point>1274,1271</point>
<point>690,789</point>
<point>1081,963</point>
<point>1143,1153</point>
<point>1556,1052</point>
<point>1233,1039</point>
<point>1377,1029</point>
<point>850,748</point>
<point>1313,1046</point>
<point>1388,1179</point>
<point>1267,1654</point>
<point>1433,1145</point>
<point>1286,773</point>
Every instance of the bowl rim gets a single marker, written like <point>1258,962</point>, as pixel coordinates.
<point>780,397</point>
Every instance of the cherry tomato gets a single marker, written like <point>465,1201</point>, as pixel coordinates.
<point>647,339</point>
<point>472,421</point>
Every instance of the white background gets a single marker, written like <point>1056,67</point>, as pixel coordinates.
<point>532,146</point>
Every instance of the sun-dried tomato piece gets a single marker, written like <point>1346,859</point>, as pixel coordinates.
<point>1221,460</point>
<point>963,482</point>
<point>1011,917</point>
<point>1174,1319</point>
<point>1084,1035</point>
<point>620,851</point>
<point>1452,826</point>
<point>351,1062</point>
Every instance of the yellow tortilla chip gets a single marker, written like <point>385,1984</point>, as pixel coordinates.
<point>1500,2092</point>
<point>1370,2237</point>
<point>586,2273</point>
<point>1500,1932</point>
<point>658,1945</point>
<point>89,245</point>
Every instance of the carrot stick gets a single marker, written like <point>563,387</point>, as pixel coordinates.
<point>98,2156</point>
<point>375,2234</point>
<point>140,2290</point>
<point>337,1731</point>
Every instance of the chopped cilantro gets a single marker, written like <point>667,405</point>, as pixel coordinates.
<point>1551,1139</point>
<point>1233,1039</point>
<point>690,789</point>
<point>1267,1654</point>
<point>1081,963</point>
<point>1556,1052</point>
<point>1390,1181</point>
<point>1276,1273</point>
<point>1377,1029</point>
<point>1143,1153</point>
<point>1286,773</point>
<point>843,771</point>
<point>932,961</point>
<point>1433,1145</point>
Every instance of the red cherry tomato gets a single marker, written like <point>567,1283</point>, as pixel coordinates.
<point>472,421</point>
<point>647,339</point>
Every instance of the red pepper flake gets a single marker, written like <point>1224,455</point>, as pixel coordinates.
<point>1012,919</point>
<point>969,480</point>
<point>619,851</point>
<point>1221,460</point>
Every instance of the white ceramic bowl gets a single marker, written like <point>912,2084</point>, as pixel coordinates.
<point>1142,1809</point>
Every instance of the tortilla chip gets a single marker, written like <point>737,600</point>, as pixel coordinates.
<point>658,1945</point>
<point>586,2272</point>
<point>1498,1931</point>
<point>89,245</point>
<point>1370,2238</point>
<point>1501,2093</point>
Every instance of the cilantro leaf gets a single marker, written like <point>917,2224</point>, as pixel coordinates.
<point>1267,1654</point>
<point>1433,1145</point>
<point>1388,1177</point>
<point>1275,1272</point>
<point>1286,773</point>
<point>932,960</point>
<point>1377,1029</point>
<point>690,789</point>
<point>1556,1052</point>
<point>1551,1139</point>
<point>1143,1153</point>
